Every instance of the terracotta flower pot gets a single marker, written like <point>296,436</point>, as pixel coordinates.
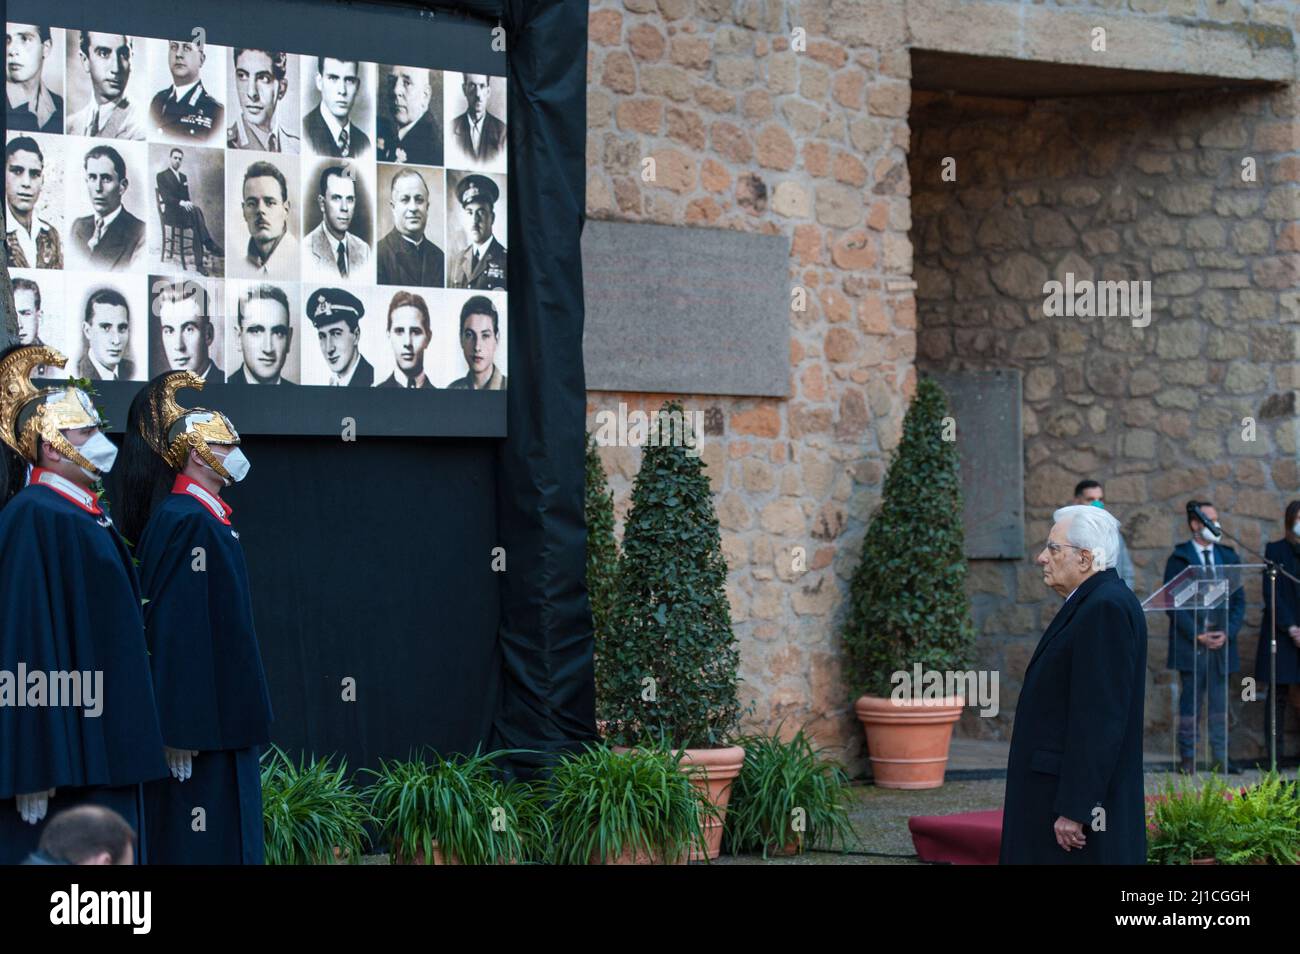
<point>907,741</point>
<point>1205,861</point>
<point>629,856</point>
<point>712,771</point>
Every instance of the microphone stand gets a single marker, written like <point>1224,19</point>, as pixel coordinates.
<point>1274,568</point>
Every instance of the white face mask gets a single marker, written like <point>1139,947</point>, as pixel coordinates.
<point>101,452</point>
<point>1208,536</point>
<point>1295,529</point>
<point>237,465</point>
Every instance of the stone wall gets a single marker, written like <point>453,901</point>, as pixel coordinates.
<point>750,134</point>
<point>1122,188</point>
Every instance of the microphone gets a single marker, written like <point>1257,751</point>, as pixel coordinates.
<point>1194,510</point>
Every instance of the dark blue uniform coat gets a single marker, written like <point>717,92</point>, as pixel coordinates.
<point>1077,740</point>
<point>210,686</point>
<point>70,601</point>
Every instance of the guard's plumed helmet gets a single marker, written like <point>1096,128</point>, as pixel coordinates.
<point>28,412</point>
<point>173,431</point>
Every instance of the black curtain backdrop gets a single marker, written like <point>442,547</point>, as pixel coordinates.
<point>545,633</point>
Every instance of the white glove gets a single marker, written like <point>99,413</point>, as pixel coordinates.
<point>180,762</point>
<point>33,806</point>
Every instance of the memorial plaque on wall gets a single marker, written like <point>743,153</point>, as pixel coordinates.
<point>302,202</point>
<point>685,310</point>
<point>986,406</point>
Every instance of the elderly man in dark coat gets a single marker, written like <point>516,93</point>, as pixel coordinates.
<point>1074,776</point>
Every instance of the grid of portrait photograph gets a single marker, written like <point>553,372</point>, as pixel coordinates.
<point>256,216</point>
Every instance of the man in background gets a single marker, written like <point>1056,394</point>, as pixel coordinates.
<point>106,327</point>
<point>107,58</point>
<point>479,336</point>
<point>480,135</point>
<point>30,241</point>
<point>337,315</point>
<point>185,328</point>
<point>186,109</point>
<point>411,135</point>
<point>110,238</point>
<point>174,186</point>
<point>85,835</point>
<point>333,250</point>
<point>265,336</point>
<point>409,334</point>
<point>261,81</point>
<point>329,128</point>
<point>405,254</point>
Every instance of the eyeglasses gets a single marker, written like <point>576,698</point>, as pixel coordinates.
<point>1055,548</point>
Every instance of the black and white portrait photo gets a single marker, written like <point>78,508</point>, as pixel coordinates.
<point>34,183</point>
<point>263,97</point>
<point>344,332</point>
<point>108,195</point>
<point>262,218</point>
<point>186,326</point>
<point>108,94</point>
<point>338,106</point>
<point>476,230</point>
<point>188,80</point>
<point>475,106</point>
<point>42,320</point>
<point>34,56</point>
<point>412,227</point>
<point>111,338</point>
<point>338,223</point>
<point>409,127</point>
<point>189,198</point>
<point>261,343</point>
<point>480,337</point>
<point>408,330</point>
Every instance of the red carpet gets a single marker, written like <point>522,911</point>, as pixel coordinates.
<point>971,838</point>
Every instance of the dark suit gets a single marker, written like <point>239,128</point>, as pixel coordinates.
<point>322,140</point>
<point>238,377</point>
<point>490,142</point>
<point>1077,740</point>
<point>174,192</point>
<point>1228,618</point>
<point>87,369</point>
<point>422,143</point>
<point>197,116</point>
<point>117,246</point>
<point>402,263</point>
<point>1288,615</point>
<point>391,382</point>
<point>364,375</point>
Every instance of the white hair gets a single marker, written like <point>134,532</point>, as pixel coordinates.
<point>1092,529</point>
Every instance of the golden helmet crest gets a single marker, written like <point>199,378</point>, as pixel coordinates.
<point>28,412</point>
<point>173,431</point>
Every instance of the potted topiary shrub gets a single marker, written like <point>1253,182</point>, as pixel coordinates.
<point>670,660</point>
<point>908,603</point>
<point>636,807</point>
<point>457,810</point>
<point>787,799</point>
<point>311,812</point>
<point>602,569</point>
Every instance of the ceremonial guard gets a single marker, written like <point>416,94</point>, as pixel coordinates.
<point>77,718</point>
<point>207,670</point>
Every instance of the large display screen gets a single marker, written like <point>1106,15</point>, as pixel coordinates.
<point>304,203</point>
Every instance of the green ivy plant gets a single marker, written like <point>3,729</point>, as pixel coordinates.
<point>604,802</point>
<point>311,812</point>
<point>459,805</point>
<point>907,598</point>
<point>669,665</point>
<point>783,781</point>
<point>602,567</point>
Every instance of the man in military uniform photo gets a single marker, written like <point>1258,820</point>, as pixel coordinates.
<point>409,334</point>
<point>30,241</point>
<point>174,186</point>
<point>31,106</point>
<point>337,315</point>
<point>483,264</point>
<point>405,256</point>
<point>261,82</point>
<point>329,127</point>
<point>186,110</point>
<point>110,238</point>
<point>479,333</point>
<point>108,59</point>
<point>412,134</point>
